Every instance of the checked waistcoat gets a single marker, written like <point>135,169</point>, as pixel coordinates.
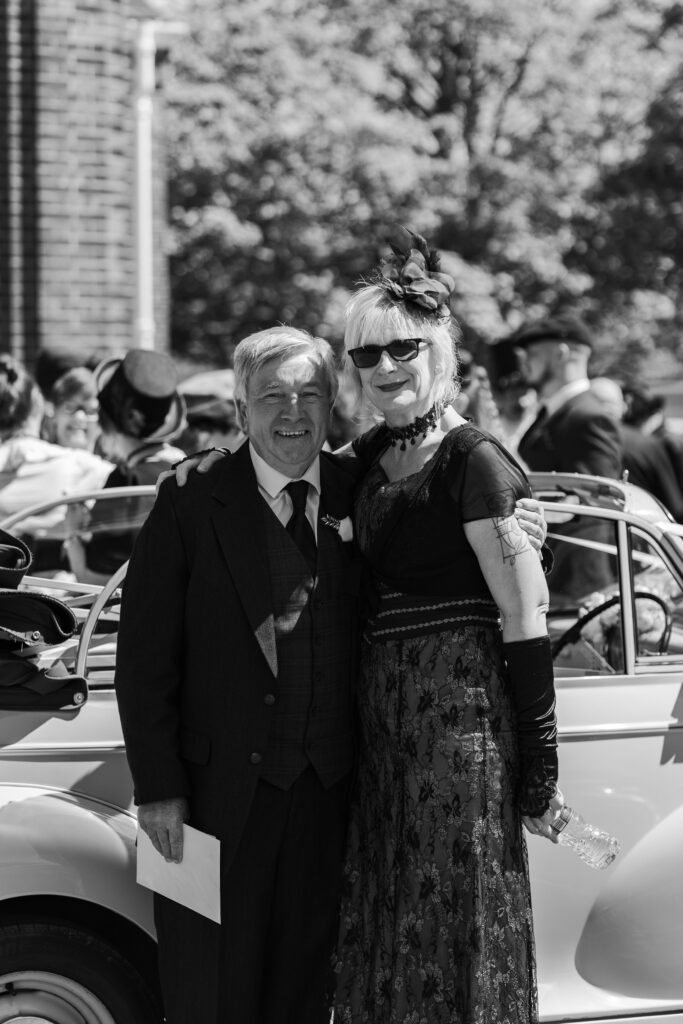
<point>314,621</point>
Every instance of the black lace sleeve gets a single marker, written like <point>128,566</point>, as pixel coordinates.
<point>538,783</point>
<point>493,482</point>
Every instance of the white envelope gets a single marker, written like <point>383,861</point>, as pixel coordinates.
<point>195,882</point>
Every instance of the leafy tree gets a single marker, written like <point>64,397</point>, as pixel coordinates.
<point>517,137</point>
<point>632,240</point>
<point>282,170</point>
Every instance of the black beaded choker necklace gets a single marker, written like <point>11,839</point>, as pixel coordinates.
<point>420,426</point>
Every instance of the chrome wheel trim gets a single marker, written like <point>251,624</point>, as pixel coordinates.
<point>38,997</point>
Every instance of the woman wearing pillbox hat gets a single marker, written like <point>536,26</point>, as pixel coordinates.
<point>141,411</point>
<point>139,400</point>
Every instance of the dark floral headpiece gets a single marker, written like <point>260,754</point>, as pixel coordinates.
<point>412,274</point>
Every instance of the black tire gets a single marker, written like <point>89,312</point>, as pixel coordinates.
<point>55,963</point>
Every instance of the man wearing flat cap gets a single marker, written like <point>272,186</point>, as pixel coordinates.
<point>572,433</point>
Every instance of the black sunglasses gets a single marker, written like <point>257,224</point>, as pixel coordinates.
<point>401,349</point>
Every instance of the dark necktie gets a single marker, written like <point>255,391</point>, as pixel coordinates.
<point>298,527</point>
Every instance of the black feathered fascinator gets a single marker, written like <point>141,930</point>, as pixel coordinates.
<point>412,274</point>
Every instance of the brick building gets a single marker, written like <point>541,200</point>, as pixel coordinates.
<point>82,172</point>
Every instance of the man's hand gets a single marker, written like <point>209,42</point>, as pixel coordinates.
<point>530,517</point>
<point>163,823</point>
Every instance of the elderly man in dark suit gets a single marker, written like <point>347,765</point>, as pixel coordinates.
<point>572,432</point>
<point>236,660</point>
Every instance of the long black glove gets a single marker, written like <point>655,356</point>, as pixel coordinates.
<point>530,669</point>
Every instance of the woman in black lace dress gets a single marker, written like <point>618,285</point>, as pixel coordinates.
<point>458,741</point>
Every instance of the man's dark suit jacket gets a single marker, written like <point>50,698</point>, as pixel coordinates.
<point>197,663</point>
<point>196,647</point>
<point>579,438</point>
<point>650,466</point>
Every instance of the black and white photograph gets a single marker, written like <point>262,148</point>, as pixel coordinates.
<point>341,512</point>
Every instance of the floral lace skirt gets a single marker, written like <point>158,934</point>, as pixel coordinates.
<point>436,921</point>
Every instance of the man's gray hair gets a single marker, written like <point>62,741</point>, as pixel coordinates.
<point>276,343</point>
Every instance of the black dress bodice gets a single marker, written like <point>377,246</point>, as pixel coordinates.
<point>411,531</point>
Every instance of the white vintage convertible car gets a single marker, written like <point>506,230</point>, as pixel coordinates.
<point>76,932</point>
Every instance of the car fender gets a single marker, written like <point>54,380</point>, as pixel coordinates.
<point>58,843</point>
<point>632,941</point>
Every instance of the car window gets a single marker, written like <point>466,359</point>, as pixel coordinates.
<point>115,514</point>
<point>585,552</point>
<point>87,537</point>
<point>585,603</point>
<point>658,600</point>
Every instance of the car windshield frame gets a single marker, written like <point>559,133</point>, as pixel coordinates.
<point>90,655</point>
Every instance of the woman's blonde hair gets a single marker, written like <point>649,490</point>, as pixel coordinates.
<point>373,317</point>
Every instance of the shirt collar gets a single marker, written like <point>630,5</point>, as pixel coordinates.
<point>273,481</point>
<point>555,402</point>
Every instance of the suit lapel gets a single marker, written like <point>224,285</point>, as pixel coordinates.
<point>336,495</point>
<point>242,539</point>
<point>336,488</point>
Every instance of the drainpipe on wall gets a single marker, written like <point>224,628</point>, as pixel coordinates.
<point>144,184</point>
<point>151,37</point>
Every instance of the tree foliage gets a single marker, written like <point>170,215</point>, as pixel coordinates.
<point>535,143</point>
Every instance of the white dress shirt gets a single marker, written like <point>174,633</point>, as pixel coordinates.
<point>272,484</point>
<point>555,402</point>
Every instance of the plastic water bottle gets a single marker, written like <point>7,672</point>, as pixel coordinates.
<point>595,847</point>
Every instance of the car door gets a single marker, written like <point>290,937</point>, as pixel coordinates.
<point>76,931</point>
<point>610,943</point>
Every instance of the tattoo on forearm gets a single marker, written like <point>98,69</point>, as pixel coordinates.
<point>513,539</point>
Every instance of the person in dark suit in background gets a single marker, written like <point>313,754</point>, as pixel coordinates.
<point>515,398</point>
<point>645,412</point>
<point>236,660</point>
<point>572,433</point>
<point>646,457</point>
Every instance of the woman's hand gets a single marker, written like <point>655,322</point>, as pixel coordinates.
<point>201,461</point>
<point>529,514</point>
<point>541,826</point>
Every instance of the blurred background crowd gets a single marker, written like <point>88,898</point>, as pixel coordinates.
<point>175,176</point>
<point>72,426</point>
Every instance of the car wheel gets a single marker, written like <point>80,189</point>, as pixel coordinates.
<point>52,972</point>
